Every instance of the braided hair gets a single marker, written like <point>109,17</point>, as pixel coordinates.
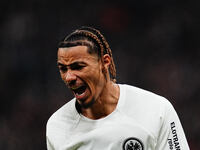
<point>94,40</point>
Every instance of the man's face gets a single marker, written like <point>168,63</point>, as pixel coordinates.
<point>82,72</point>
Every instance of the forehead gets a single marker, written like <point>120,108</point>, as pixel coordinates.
<point>73,54</point>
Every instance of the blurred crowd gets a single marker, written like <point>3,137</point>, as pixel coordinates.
<point>155,46</point>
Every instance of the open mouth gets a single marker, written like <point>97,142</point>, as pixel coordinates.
<point>79,91</point>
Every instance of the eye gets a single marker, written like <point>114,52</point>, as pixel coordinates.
<point>77,67</point>
<point>62,68</point>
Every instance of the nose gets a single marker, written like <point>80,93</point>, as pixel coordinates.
<point>70,77</point>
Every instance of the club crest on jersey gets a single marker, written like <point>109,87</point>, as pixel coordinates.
<point>132,144</point>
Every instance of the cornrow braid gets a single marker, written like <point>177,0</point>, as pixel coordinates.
<point>86,36</point>
<point>106,50</point>
<point>93,36</point>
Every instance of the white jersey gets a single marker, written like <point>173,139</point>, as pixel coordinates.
<point>141,121</point>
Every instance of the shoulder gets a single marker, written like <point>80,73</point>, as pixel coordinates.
<point>63,117</point>
<point>139,96</point>
<point>60,124</point>
<point>147,108</point>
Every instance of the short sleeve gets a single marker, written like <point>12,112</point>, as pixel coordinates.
<point>171,134</point>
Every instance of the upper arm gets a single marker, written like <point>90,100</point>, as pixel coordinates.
<point>171,134</point>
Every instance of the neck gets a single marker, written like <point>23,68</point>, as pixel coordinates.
<point>105,104</point>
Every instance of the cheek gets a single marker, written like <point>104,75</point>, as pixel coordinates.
<point>91,76</point>
<point>62,75</point>
<point>94,80</point>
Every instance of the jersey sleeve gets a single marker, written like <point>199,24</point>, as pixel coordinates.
<point>171,135</point>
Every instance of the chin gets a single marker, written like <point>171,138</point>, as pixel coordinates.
<point>86,104</point>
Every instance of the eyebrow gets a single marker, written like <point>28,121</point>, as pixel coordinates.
<point>60,64</point>
<point>72,64</point>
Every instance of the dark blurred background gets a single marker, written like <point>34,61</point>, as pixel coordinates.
<point>155,46</point>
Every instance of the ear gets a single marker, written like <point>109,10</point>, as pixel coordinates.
<point>107,61</point>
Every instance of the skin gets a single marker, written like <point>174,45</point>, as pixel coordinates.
<point>78,68</point>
